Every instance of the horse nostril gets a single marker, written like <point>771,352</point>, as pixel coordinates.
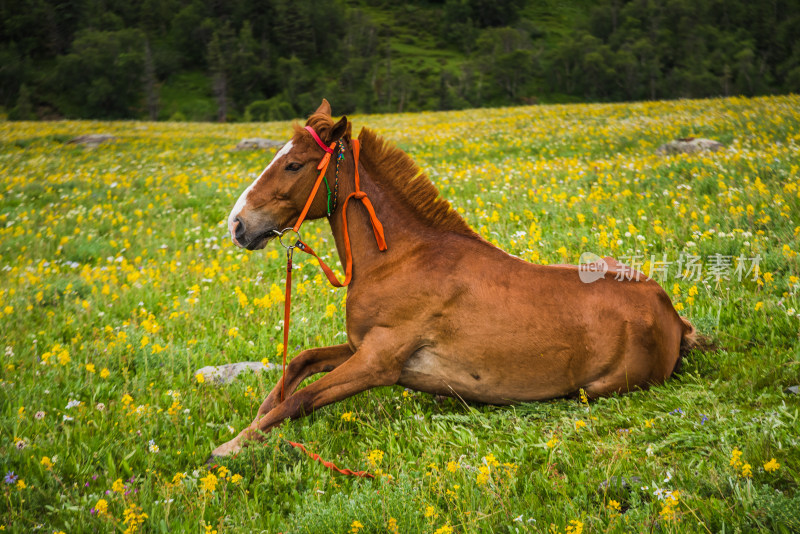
<point>238,228</point>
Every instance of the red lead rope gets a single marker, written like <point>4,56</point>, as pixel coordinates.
<point>329,465</point>
<point>377,228</point>
<point>287,305</point>
<point>286,315</point>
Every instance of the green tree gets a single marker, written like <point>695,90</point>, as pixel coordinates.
<point>505,57</point>
<point>219,52</point>
<point>23,111</point>
<point>12,73</point>
<point>101,76</point>
<point>276,108</point>
<point>248,69</point>
<point>150,82</point>
<point>191,31</point>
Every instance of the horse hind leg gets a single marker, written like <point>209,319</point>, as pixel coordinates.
<point>622,380</point>
<point>631,367</point>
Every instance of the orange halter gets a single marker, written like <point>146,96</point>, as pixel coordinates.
<point>358,194</point>
<point>377,229</point>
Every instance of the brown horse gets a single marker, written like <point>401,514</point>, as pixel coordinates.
<point>442,310</point>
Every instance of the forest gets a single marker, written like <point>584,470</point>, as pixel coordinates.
<point>248,60</point>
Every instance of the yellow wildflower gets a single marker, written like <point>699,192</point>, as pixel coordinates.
<point>375,457</point>
<point>669,506</point>
<point>200,378</point>
<point>574,527</point>
<point>483,475</point>
<point>771,466</point>
<point>101,507</point>
<point>105,373</point>
<point>209,483</point>
<point>747,471</point>
<point>47,463</point>
<point>133,517</point>
<point>736,457</point>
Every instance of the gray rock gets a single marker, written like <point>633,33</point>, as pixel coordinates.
<point>225,374</point>
<point>794,390</point>
<point>258,143</point>
<point>91,140</point>
<point>689,145</point>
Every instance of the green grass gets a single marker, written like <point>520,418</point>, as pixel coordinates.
<point>117,258</point>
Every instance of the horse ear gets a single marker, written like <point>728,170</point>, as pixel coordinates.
<point>339,130</point>
<point>324,108</point>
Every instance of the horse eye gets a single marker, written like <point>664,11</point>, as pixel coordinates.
<point>293,167</point>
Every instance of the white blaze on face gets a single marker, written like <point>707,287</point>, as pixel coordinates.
<point>237,209</point>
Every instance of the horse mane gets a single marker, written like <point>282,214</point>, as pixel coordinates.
<point>394,169</point>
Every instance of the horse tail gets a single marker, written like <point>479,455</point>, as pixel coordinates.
<point>690,339</point>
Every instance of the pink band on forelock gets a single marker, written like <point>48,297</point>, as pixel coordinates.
<point>322,145</point>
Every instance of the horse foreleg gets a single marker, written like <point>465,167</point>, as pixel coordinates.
<point>307,363</point>
<point>360,372</point>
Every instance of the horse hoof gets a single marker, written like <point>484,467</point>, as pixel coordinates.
<point>226,449</point>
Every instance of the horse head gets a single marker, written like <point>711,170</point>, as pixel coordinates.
<point>274,201</point>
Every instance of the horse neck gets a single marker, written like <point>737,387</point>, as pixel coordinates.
<point>391,212</point>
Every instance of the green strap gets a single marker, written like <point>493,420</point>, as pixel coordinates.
<point>330,195</point>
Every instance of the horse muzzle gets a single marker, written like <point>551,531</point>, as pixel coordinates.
<point>240,237</point>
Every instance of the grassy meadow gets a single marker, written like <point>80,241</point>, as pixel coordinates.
<point>118,282</point>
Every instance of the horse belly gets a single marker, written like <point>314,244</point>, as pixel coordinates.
<point>440,373</point>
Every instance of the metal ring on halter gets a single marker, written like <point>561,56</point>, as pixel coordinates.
<point>282,233</point>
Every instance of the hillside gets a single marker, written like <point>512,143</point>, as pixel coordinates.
<point>248,60</point>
